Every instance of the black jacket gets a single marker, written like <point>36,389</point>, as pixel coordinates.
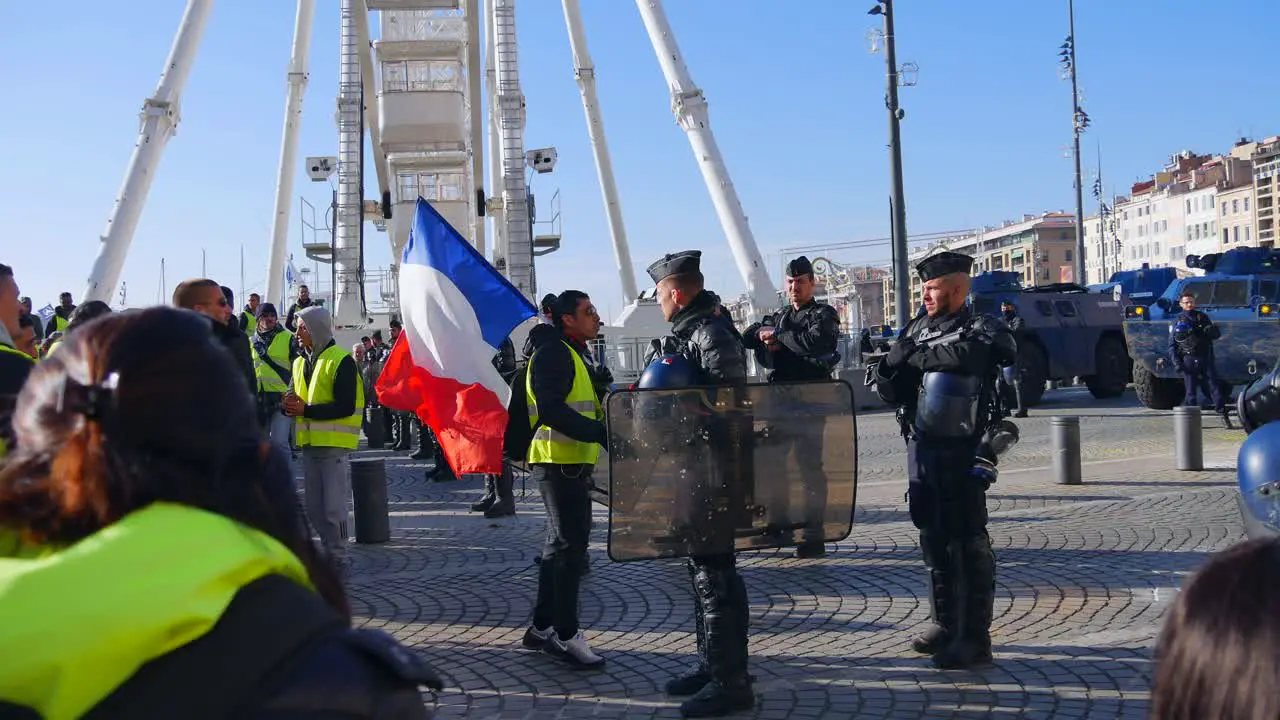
<point>344,388</point>
<point>1199,341</point>
<point>987,345</point>
<point>703,332</point>
<point>14,370</point>
<point>809,339</point>
<point>237,343</point>
<point>538,334</point>
<point>278,652</point>
<point>551,369</point>
<point>291,319</point>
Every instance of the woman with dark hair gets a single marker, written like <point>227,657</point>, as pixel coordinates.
<point>1219,654</point>
<point>161,566</point>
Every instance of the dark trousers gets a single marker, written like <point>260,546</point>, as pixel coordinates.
<point>949,507</point>
<point>801,440</point>
<point>720,618</point>
<point>568,503</point>
<point>1199,374</point>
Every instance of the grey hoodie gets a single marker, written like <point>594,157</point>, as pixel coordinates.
<point>320,324</point>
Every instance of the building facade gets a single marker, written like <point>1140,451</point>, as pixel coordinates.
<point>1039,247</point>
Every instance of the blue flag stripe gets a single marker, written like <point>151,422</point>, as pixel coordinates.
<point>498,305</point>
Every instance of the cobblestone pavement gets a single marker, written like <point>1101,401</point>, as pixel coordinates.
<point>1085,575</point>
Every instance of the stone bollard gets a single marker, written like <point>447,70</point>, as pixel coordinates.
<point>1065,434</point>
<point>1188,438</point>
<point>369,495</point>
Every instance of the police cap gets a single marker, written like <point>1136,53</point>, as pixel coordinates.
<point>799,267</point>
<point>681,263</point>
<point>943,263</point>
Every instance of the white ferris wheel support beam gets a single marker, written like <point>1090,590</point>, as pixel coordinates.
<point>690,108</point>
<point>475,101</point>
<point>584,71</point>
<point>297,80</point>
<point>160,115</point>
<point>371,102</point>
<point>493,196</point>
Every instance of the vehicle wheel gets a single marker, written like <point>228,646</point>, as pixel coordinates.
<point>1156,393</point>
<point>1111,367</point>
<point>1035,371</point>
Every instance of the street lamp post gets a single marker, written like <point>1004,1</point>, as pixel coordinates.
<point>1079,121</point>
<point>898,209</point>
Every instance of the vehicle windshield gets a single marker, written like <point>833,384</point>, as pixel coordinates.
<point>1218,293</point>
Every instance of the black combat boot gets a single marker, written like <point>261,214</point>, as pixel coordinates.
<point>404,427</point>
<point>425,448</point>
<point>941,599</point>
<point>698,676</point>
<point>504,488</point>
<point>970,647</point>
<point>724,599</point>
<point>490,495</point>
<point>1019,402</point>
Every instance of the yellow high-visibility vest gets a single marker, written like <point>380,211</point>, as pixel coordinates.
<point>89,615</point>
<point>340,433</point>
<point>269,381</point>
<point>60,323</point>
<point>552,446</point>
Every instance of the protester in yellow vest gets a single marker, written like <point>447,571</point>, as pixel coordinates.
<point>61,314</point>
<point>273,355</point>
<point>567,435</point>
<point>327,400</point>
<point>140,599</point>
<point>15,365</point>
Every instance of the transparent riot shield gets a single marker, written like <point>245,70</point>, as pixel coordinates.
<point>709,470</point>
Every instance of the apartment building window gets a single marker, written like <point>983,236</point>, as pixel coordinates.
<point>1246,204</point>
<point>1188,234</point>
<point>1188,207</point>
<point>1068,255</point>
<point>1226,236</point>
<point>1212,202</point>
<point>1235,206</point>
<point>1197,232</point>
<point>1142,230</point>
<point>1235,232</point>
<point>1248,230</point>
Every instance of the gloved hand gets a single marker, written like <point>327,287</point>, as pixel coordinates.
<point>900,351</point>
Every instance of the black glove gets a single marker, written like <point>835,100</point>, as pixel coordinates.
<point>900,351</point>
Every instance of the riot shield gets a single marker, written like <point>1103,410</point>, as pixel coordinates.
<point>710,470</point>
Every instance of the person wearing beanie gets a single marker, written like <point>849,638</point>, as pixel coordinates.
<point>327,400</point>
<point>273,356</point>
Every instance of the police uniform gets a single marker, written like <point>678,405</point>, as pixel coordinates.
<point>945,391</point>
<point>720,683</point>
<point>1191,345</point>
<point>804,347</point>
<point>1013,372</point>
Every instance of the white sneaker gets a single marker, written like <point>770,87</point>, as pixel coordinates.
<point>573,651</point>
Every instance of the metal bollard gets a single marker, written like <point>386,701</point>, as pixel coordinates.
<point>369,495</point>
<point>1188,438</point>
<point>1065,433</point>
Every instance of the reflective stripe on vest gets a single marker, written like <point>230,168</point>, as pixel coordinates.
<point>553,446</point>
<point>160,578</point>
<point>269,381</point>
<point>341,433</point>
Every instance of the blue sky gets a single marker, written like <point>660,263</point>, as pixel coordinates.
<point>796,103</point>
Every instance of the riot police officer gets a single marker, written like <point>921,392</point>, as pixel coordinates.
<point>1012,373</point>
<point>941,374</point>
<point>720,684</point>
<point>1191,346</point>
<point>800,343</point>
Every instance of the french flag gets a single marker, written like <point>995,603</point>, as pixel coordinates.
<point>456,309</point>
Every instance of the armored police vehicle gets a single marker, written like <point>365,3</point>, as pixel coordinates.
<point>1240,291</point>
<point>1068,332</point>
<point>1138,287</point>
